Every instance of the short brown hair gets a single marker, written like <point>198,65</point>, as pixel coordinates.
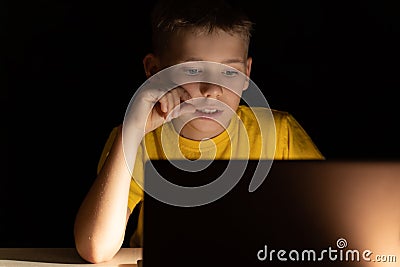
<point>170,17</point>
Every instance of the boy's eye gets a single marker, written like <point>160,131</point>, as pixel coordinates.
<point>192,71</point>
<point>230,73</point>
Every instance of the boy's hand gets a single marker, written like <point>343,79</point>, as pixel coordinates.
<point>153,107</point>
<point>171,105</point>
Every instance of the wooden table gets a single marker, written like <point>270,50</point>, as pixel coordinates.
<point>43,257</point>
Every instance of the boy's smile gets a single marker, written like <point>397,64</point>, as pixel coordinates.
<point>210,118</point>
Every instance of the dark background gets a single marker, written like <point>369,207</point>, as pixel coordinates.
<point>71,68</point>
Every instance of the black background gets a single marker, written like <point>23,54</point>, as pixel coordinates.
<point>71,68</point>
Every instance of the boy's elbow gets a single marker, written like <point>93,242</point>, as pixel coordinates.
<point>93,254</point>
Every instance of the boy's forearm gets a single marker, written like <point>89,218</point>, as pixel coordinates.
<point>101,220</point>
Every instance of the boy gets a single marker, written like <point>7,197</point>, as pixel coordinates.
<point>193,31</point>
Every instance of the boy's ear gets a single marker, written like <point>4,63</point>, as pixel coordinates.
<point>151,64</point>
<point>247,72</point>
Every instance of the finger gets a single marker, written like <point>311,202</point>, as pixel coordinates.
<point>176,97</point>
<point>186,108</point>
<point>170,101</point>
<point>176,102</point>
<point>164,103</point>
<point>180,110</point>
<point>183,94</point>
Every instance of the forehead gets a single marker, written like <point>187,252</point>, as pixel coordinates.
<point>218,46</point>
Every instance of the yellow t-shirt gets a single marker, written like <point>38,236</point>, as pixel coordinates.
<point>255,133</point>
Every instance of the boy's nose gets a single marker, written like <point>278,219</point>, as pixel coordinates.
<point>210,90</point>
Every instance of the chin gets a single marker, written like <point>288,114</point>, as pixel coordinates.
<point>208,126</point>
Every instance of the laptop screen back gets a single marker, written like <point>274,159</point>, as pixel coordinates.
<point>305,213</point>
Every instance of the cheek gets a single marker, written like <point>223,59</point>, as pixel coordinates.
<point>236,85</point>
<point>231,99</point>
<point>191,88</point>
<point>232,96</point>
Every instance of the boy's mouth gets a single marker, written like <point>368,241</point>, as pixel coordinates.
<point>209,112</point>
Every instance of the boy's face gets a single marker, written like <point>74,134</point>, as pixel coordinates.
<point>215,104</point>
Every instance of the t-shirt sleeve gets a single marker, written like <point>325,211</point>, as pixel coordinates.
<point>135,191</point>
<point>137,182</point>
<point>293,142</point>
<point>107,148</point>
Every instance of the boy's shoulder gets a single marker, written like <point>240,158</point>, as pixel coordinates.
<point>262,112</point>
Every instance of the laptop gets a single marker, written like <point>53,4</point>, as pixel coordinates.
<point>304,213</point>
